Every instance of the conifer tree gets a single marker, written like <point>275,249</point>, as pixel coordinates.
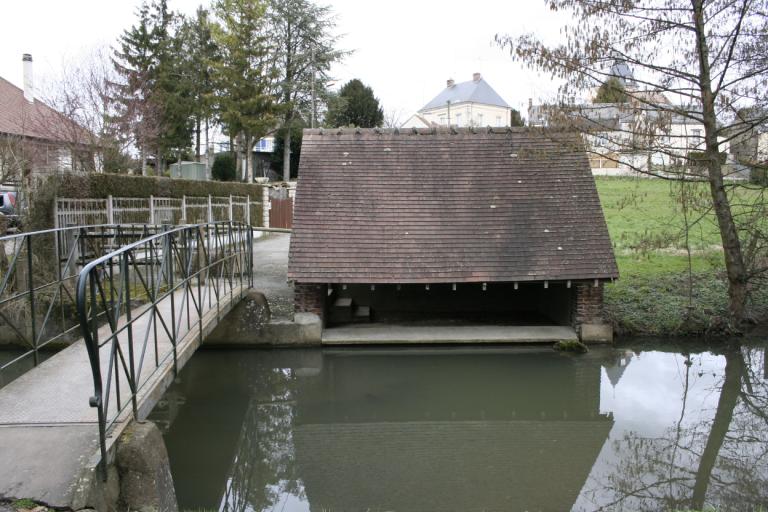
<point>305,47</point>
<point>355,105</point>
<point>245,74</point>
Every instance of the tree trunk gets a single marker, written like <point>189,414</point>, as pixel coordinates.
<point>734,260</point>
<point>197,139</point>
<point>287,155</point>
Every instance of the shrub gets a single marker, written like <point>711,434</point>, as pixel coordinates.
<point>224,167</point>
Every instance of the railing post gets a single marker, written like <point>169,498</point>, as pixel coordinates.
<point>210,210</point>
<point>248,210</point>
<point>110,210</point>
<point>231,219</point>
<point>31,284</point>
<point>184,209</point>
<point>125,271</point>
<point>152,210</point>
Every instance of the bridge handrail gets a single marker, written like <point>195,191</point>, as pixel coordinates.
<point>214,255</point>
<point>37,273</point>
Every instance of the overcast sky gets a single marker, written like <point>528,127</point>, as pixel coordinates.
<point>405,50</point>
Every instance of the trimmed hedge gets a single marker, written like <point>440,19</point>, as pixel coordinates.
<point>99,186</point>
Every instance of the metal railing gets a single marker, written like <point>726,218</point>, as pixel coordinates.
<point>183,274</point>
<point>38,271</point>
<point>154,210</point>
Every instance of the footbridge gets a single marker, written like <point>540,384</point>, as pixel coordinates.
<point>131,304</point>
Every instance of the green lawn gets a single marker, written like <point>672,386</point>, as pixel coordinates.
<point>646,224</point>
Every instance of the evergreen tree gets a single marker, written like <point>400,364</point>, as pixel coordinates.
<point>151,97</point>
<point>611,91</point>
<point>245,74</point>
<point>136,104</point>
<point>301,34</point>
<point>355,105</point>
<point>200,52</point>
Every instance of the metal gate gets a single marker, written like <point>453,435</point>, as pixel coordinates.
<point>280,209</point>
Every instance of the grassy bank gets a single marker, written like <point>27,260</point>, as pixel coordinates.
<point>655,295</point>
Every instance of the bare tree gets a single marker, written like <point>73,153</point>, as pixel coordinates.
<point>696,61</point>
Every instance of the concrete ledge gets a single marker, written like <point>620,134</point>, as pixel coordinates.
<point>381,334</point>
<point>596,333</point>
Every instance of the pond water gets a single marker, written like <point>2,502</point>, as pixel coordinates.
<point>639,427</point>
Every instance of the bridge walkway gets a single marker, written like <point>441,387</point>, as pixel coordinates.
<point>48,431</point>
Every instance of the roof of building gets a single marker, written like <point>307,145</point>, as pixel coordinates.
<point>430,206</point>
<point>473,91</point>
<point>23,118</point>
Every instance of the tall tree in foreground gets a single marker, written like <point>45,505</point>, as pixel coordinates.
<point>245,74</point>
<point>305,47</point>
<point>709,58</point>
<point>355,105</point>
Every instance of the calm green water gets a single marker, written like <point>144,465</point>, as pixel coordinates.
<point>484,429</point>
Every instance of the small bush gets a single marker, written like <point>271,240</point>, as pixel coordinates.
<point>224,167</point>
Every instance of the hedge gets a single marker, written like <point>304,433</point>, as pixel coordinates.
<point>99,186</point>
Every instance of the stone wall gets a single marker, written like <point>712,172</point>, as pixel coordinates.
<point>310,298</point>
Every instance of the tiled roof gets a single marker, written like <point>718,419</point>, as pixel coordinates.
<point>424,206</point>
<point>474,91</point>
<point>19,117</point>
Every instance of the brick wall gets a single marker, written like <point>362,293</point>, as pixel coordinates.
<point>587,303</point>
<point>310,298</point>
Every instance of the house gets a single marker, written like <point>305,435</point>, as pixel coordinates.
<point>37,139</point>
<point>646,133</point>
<point>472,103</point>
<point>492,225</point>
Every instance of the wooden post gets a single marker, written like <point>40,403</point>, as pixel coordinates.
<point>210,210</point>
<point>152,210</point>
<point>248,209</point>
<point>231,219</point>
<point>110,210</point>
<point>183,209</point>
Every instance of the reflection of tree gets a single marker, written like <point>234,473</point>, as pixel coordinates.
<point>722,462</point>
<point>263,469</point>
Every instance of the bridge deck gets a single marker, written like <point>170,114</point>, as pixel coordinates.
<point>48,431</point>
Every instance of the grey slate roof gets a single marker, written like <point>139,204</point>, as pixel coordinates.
<point>473,91</point>
<point>424,206</point>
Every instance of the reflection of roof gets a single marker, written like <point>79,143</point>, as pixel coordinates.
<point>374,206</point>
<point>447,466</point>
<point>616,370</point>
<point>474,91</point>
<point>20,117</point>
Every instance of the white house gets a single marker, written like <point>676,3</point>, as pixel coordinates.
<point>472,103</point>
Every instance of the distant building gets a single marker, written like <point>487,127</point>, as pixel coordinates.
<point>472,103</point>
<point>647,132</point>
<point>37,139</point>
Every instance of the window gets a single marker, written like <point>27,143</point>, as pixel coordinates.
<point>458,119</point>
<point>498,121</point>
<point>442,120</point>
<point>479,119</point>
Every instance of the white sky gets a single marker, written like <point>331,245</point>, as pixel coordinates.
<point>405,50</point>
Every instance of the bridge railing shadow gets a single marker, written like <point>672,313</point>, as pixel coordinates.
<point>38,272</point>
<point>141,303</point>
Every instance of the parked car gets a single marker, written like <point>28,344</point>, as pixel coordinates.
<point>9,209</point>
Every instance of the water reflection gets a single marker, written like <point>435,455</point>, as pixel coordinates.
<point>453,429</point>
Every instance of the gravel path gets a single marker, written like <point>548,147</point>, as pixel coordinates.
<point>270,269</point>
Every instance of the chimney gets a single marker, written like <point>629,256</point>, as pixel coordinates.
<point>29,84</point>
<point>450,82</point>
<point>476,77</point>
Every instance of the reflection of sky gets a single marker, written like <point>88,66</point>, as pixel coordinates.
<point>648,400</point>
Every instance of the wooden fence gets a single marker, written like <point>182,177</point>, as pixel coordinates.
<point>152,210</point>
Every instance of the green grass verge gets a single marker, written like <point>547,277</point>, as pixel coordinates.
<point>652,295</point>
